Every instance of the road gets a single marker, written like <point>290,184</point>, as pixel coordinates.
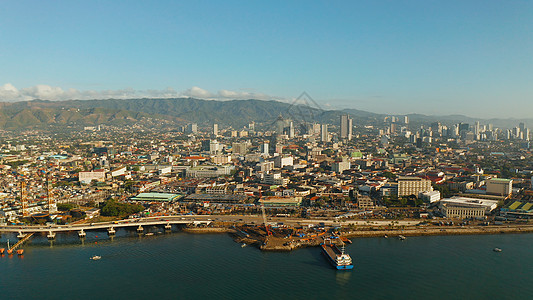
<point>199,219</point>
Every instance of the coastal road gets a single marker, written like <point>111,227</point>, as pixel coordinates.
<point>257,219</point>
<point>197,220</point>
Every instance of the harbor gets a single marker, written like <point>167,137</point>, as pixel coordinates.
<point>191,260</point>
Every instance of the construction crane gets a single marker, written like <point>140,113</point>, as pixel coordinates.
<point>23,199</point>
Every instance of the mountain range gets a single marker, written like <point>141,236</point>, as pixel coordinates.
<point>236,113</point>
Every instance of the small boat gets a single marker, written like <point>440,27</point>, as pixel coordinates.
<point>386,236</point>
<point>401,237</point>
<point>96,257</point>
<point>346,240</point>
<point>243,245</point>
<point>497,250</point>
<point>149,234</point>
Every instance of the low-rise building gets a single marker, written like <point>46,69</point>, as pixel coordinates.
<point>274,201</point>
<point>462,207</point>
<point>87,177</point>
<point>499,186</point>
<point>274,179</point>
<point>430,197</point>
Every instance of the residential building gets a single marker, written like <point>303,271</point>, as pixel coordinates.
<point>413,186</point>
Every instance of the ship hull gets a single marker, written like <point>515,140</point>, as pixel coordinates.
<point>332,260</point>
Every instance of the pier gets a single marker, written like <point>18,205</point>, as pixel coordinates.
<point>25,232</point>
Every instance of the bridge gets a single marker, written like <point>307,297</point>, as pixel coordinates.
<point>51,230</point>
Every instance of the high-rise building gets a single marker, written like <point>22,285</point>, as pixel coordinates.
<point>265,148</point>
<point>214,147</point>
<point>324,135</point>
<point>280,124</point>
<point>240,148</point>
<point>192,128</point>
<point>251,126</point>
<point>316,128</point>
<point>346,127</point>
<point>393,128</point>
<point>215,129</point>
<point>291,130</point>
<point>405,120</point>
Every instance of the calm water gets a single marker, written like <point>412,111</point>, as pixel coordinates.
<point>187,266</point>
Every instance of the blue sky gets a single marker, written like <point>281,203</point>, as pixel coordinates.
<point>433,57</point>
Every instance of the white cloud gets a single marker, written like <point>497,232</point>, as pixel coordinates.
<point>226,94</point>
<point>196,92</point>
<point>8,92</point>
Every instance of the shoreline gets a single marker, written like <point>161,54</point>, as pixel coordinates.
<point>204,230</point>
<point>481,230</point>
<point>290,245</point>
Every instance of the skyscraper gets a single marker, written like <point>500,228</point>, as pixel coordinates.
<point>346,127</point>
<point>291,130</point>
<point>215,129</point>
<point>324,136</point>
<point>192,128</point>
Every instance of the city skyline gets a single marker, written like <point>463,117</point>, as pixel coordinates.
<point>436,58</point>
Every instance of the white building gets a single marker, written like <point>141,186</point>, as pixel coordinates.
<point>324,135</point>
<point>118,172</point>
<point>462,207</point>
<point>430,196</point>
<point>280,162</point>
<point>265,148</point>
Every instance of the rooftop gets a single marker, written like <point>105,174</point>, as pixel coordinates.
<point>155,197</point>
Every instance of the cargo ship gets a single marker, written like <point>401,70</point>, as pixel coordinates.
<point>337,257</point>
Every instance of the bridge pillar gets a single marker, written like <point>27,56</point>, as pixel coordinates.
<point>168,226</point>
<point>111,231</point>
<point>81,233</point>
<point>51,235</point>
<point>20,235</point>
<point>140,229</point>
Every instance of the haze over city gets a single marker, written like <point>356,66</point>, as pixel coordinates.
<point>447,57</point>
